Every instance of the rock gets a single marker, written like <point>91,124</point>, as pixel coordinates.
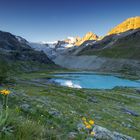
<point>138,91</point>
<point>27,108</point>
<point>88,36</point>
<point>127,125</point>
<point>54,113</point>
<point>80,126</point>
<point>93,63</point>
<point>129,120</point>
<point>131,112</point>
<point>93,99</point>
<point>119,136</point>
<point>102,133</point>
<point>72,135</point>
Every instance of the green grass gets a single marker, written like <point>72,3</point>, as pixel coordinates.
<point>56,111</point>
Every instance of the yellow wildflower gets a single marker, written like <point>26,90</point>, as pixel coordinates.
<point>88,126</point>
<point>92,133</point>
<point>91,122</point>
<point>86,123</point>
<point>5,92</point>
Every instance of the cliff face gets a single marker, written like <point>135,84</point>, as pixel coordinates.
<point>129,24</point>
<point>88,36</point>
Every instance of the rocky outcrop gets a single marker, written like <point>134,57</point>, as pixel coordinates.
<point>70,40</point>
<point>88,36</point>
<point>129,24</point>
<point>102,133</point>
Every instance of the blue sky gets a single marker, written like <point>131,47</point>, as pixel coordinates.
<point>49,20</point>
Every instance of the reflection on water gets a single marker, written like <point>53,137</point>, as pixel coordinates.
<point>93,81</point>
<point>68,83</point>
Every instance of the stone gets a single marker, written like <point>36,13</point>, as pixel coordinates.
<point>127,125</point>
<point>54,113</point>
<point>119,136</point>
<point>102,133</point>
<point>25,107</point>
<point>131,112</point>
<point>72,135</point>
<point>93,99</point>
<point>138,91</point>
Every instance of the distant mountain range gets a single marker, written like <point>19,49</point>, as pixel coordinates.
<point>117,51</point>
<point>129,24</point>
<point>123,41</point>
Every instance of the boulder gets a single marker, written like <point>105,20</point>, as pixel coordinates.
<point>102,133</point>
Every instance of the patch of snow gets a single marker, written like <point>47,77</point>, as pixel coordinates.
<point>48,42</point>
<point>69,45</point>
<point>53,42</point>
<point>72,40</point>
<point>18,38</point>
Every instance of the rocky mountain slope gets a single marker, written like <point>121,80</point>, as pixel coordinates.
<point>87,37</point>
<point>129,24</point>
<point>124,45</point>
<point>121,42</point>
<point>15,51</point>
<point>115,53</point>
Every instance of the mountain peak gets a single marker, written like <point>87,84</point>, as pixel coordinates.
<point>88,36</point>
<point>70,40</point>
<point>129,24</point>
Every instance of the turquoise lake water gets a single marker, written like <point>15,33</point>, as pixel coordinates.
<point>93,81</point>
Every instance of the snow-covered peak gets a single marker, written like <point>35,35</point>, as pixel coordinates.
<point>51,42</point>
<point>48,42</point>
<point>70,40</point>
